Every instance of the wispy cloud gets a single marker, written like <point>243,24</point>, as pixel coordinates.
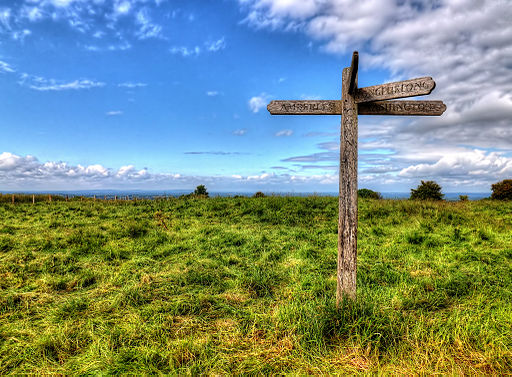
<point>132,85</point>
<point>217,153</point>
<point>121,46</point>
<point>185,51</point>
<point>5,67</point>
<point>120,19</point>
<point>217,45</point>
<point>284,133</point>
<point>147,29</point>
<point>5,18</point>
<point>212,93</point>
<point>319,134</point>
<point>44,85</point>
<point>21,34</point>
<point>257,103</point>
<point>240,132</point>
<point>114,113</point>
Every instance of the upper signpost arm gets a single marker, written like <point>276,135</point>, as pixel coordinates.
<point>353,72</point>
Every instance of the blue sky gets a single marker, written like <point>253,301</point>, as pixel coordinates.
<point>144,94</point>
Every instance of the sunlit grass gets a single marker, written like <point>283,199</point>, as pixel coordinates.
<point>247,285</point>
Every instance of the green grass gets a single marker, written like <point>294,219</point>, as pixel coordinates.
<point>247,286</point>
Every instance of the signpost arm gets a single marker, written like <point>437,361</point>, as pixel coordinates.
<point>347,221</point>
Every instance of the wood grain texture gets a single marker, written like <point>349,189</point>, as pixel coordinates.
<point>400,89</point>
<point>421,108</point>
<point>347,221</point>
<point>304,107</point>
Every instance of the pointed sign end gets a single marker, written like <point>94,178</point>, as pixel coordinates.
<point>443,108</point>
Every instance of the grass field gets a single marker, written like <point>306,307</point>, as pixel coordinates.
<point>247,286</point>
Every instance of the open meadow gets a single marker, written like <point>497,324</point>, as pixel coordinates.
<point>247,286</point>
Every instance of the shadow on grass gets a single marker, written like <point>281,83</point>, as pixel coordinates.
<point>319,324</point>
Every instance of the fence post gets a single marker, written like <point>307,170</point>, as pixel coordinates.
<point>33,199</point>
<point>12,198</point>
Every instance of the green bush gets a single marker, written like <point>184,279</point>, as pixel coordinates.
<point>201,191</point>
<point>368,194</point>
<point>427,190</point>
<point>502,190</point>
<point>259,194</point>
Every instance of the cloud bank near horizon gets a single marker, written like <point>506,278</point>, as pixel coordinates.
<point>28,173</point>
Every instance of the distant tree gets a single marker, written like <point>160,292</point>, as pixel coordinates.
<point>201,191</point>
<point>427,190</point>
<point>463,198</point>
<point>259,194</point>
<point>368,194</point>
<point>502,190</point>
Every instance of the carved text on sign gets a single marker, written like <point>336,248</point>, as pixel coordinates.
<point>402,108</point>
<point>304,107</point>
<point>401,89</point>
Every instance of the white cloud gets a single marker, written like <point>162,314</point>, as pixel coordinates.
<point>122,7</point>
<point>212,93</point>
<point>258,102</point>
<point>32,13</point>
<point>260,177</point>
<point>240,132</point>
<point>284,133</point>
<point>470,164</point>
<point>9,162</point>
<point>122,20</point>
<point>114,113</point>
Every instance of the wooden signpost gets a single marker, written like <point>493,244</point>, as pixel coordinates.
<point>372,100</point>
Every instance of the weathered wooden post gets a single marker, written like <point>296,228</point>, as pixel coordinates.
<point>347,219</point>
<point>372,100</point>
<point>12,198</point>
<point>33,199</point>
